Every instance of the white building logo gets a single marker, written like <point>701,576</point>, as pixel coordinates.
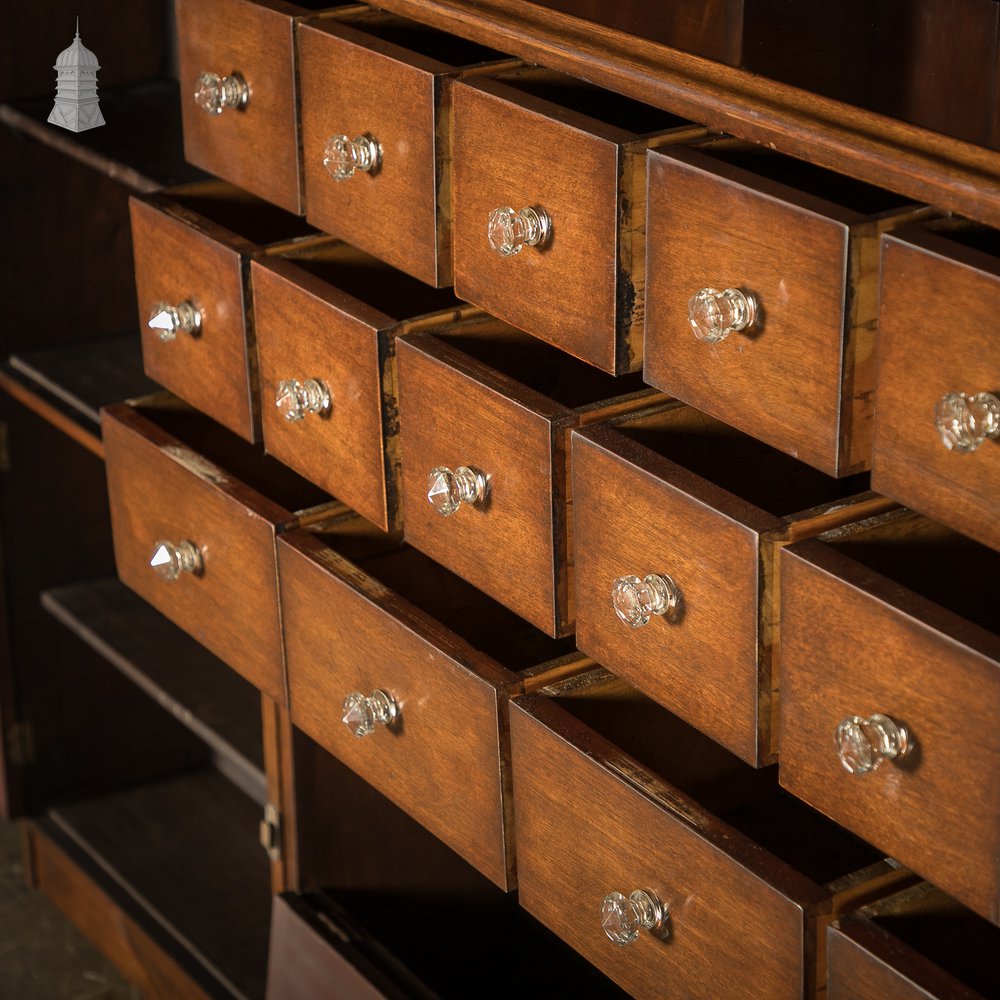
<point>76,106</point>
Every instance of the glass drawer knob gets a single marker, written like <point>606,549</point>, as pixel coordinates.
<point>864,743</point>
<point>714,315</point>
<point>344,157</point>
<point>362,713</point>
<point>170,559</point>
<point>635,600</point>
<point>509,232</point>
<point>448,490</point>
<point>214,93</point>
<point>965,422</point>
<point>168,320</point>
<point>622,917</point>
<point>294,399</point>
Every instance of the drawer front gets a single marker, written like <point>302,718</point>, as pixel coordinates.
<point>256,146</point>
<point>584,831</point>
<point>176,263</point>
<point>563,291</point>
<point>440,761</point>
<point>923,355</point>
<point>456,413</point>
<point>848,650</point>
<point>633,520</point>
<point>161,491</point>
<point>308,330</point>
<point>781,380</point>
<point>355,85</point>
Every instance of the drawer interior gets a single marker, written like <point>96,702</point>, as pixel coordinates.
<point>928,558</point>
<point>746,798</point>
<point>466,611</point>
<point>422,39</point>
<point>969,234</point>
<point>536,365</point>
<point>239,211</point>
<point>369,279</point>
<point>746,467</point>
<point>807,177</point>
<point>562,91</point>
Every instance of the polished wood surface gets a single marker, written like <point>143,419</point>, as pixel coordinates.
<point>854,642</point>
<point>918,364</point>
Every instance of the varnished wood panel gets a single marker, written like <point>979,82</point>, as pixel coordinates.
<point>178,258</point>
<point>255,147</point>
<point>925,351</point>
<point>161,489</point>
<point>354,84</point>
<point>585,828</point>
<point>853,643</point>
<point>441,761</point>
<point>511,545</point>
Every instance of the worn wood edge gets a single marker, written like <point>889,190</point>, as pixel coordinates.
<point>276,738</point>
<point>162,204</point>
<point>51,414</point>
<point>914,161</point>
<point>115,924</point>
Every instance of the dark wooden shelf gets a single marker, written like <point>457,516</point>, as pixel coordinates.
<point>181,859</point>
<point>141,146</point>
<point>215,703</point>
<point>67,385</point>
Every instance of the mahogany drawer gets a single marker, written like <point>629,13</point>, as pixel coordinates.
<point>363,615</point>
<point>925,355</point>
<point>501,405</point>
<point>331,314</point>
<point>796,248</point>
<point>521,141</point>
<point>917,944</point>
<point>897,619</point>
<point>613,794</point>
<point>254,144</point>
<point>382,84</point>
<point>191,250</point>
<point>165,486</point>
<point>680,496</point>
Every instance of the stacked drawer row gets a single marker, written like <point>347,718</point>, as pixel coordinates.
<point>587,488</point>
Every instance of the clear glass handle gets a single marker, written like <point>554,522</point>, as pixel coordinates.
<point>362,713</point>
<point>863,744</point>
<point>170,559</point>
<point>965,422</point>
<point>714,315</point>
<point>622,917</point>
<point>214,93</point>
<point>447,490</point>
<point>344,157</point>
<point>168,320</point>
<point>294,399</point>
<point>509,232</point>
<point>636,601</point>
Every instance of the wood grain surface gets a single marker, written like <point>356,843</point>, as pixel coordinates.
<point>925,351</point>
<point>181,257</point>
<point>255,147</point>
<point>854,643</point>
<point>161,489</point>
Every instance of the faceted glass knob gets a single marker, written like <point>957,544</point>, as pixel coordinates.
<point>635,600</point>
<point>715,315</point>
<point>170,559</point>
<point>622,917</point>
<point>509,232</point>
<point>294,399</point>
<point>965,422</point>
<point>344,157</point>
<point>363,713</point>
<point>864,743</point>
<point>448,490</point>
<point>168,320</point>
<point>214,93</point>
